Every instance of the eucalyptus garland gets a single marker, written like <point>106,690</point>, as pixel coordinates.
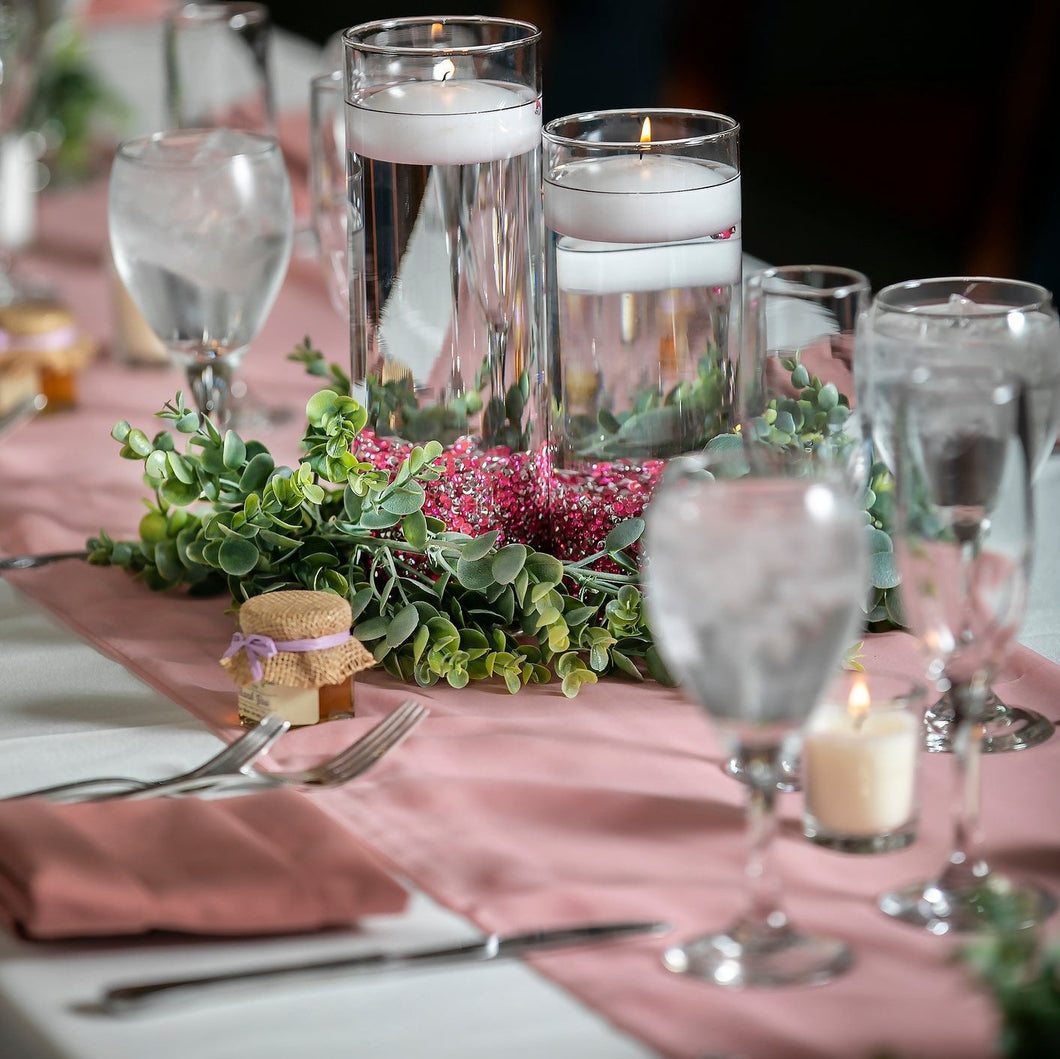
<point>431,604</point>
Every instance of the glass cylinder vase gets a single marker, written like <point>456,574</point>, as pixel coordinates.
<point>443,130</point>
<point>643,264</point>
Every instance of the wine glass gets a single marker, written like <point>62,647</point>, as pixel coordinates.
<point>201,227</point>
<point>18,41</point>
<point>963,545</point>
<point>217,67</point>
<point>964,322</point>
<point>327,183</point>
<point>754,578</point>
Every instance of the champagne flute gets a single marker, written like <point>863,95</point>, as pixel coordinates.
<point>964,322</point>
<point>201,226</point>
<point>754,579</point>
<point>964,544</point>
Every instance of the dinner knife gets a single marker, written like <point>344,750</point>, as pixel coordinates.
<point>148,996</point>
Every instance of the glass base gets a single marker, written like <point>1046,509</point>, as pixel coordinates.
<point>788,783</point>
<point>744,958</point>
<point>1005,728</point>
<point>991,902</point>
<point>882,842</point>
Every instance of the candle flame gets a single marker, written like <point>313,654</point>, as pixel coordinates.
<point>645,135</point>
<point>444,70</point>
<point>437,29</point>
<point>859,700</point>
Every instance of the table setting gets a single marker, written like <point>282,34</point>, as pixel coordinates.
<point>500,615</point>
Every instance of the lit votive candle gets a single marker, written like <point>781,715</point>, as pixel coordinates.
<point>860,754</point>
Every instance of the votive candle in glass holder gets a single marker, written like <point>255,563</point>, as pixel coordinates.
<point>643,265</point>
<point>860,763</point>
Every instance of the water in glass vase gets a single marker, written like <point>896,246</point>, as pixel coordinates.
<point>641,328</point>
<point>444,218</point>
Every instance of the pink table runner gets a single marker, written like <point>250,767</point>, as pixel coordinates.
<point>525,810</point>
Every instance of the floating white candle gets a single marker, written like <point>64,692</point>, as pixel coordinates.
<point>445,122</point>
<point>642,198</point>
<point>859,767</point>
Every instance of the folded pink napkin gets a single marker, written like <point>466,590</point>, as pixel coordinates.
<point>265,863</point>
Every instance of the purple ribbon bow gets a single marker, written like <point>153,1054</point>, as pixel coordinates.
<point>259,647</point>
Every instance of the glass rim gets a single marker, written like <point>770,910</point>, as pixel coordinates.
<point>351,37</point>
<point>259,144</point>
<point>855,280</point>
<point>584,117</point>
<point>210,11</point>
<point>1038,297</point>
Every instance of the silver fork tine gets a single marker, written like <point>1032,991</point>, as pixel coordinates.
<point>347,767</point>
<point>377,739</point>
<point>353,761</point>
<point>244,750</point>
<point>233,758</point>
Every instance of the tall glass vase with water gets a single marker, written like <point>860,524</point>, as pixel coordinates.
<point>642,214</point>
<point>443,123</point>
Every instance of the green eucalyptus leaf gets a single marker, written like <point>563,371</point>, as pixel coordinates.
<point>478,547</point>
<point>624,534</point>
<point>508,562</point>
<point>884,570</point>
<point>233,452</point>
<point>178,493</point>
<point>237,556</point>
<point>475,574</point>
<point>414,529</point>
<point>402,626</point>
<point>370,629</point>
<point>256,473</point>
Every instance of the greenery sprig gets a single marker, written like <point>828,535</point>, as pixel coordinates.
<point>432,604</point>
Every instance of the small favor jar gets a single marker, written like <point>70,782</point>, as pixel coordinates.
<point>294,655</point>
<point>42,334</point>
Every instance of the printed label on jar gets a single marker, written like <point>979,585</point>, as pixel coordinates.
<point>297,705</point>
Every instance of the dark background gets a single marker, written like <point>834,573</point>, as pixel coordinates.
<point>902,140</point>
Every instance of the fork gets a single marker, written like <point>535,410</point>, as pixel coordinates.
<point>27,562</point>
<point>348,764</point>
<point>235,757</point>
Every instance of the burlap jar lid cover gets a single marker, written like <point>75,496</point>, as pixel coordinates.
<point>297,639</point>
<point>41,332</point>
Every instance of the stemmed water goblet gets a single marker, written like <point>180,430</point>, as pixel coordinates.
<point>963,322</point>
<point>201,227</point>
<point>755,572</point>
<point>964,544</point>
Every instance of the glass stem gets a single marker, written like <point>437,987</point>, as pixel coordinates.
<point>763,912</point>
<point>210,382</point>
<point>966,867</point>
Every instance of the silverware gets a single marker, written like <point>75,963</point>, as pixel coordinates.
<point>347,765</point>
<point>148,996</point>
<point>235,757</point>
<point>27,562</point>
